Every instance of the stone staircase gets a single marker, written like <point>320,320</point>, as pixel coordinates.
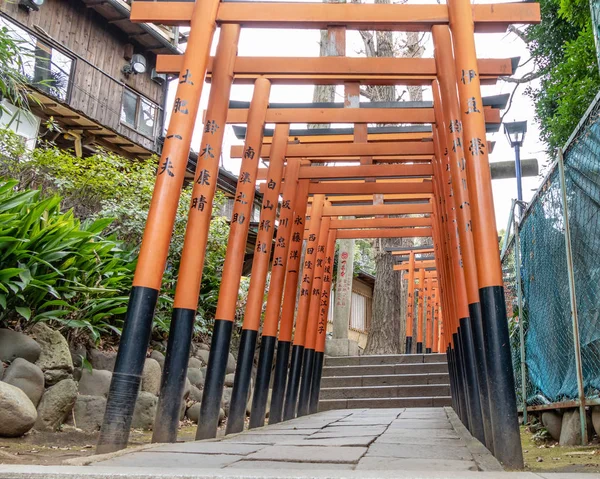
<point>390,381</point>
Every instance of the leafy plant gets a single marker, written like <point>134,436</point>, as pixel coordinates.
<point>13,84</point>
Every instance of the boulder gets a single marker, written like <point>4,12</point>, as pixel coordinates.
<point>202,346</point>
<point>195,363</point>
<point>552,421</point>
<point>596,419</point>
<point>102,359</point>
<point>95,382</point>
<point>226,399</point>
<point>18,345</point>
<point>221,415</point>
<point>2,368</point>
<point>57,402</point>
<point>196,377</point>
<point>193,412</point>
<point>195,394</point>
<point>78,352</point>
<point>570,433</point>
<point>17,412</point>
<point>151,376</point>
<point>229,380</point>
<point>230,364</point>
<point>54,376</point>
<point>203,355</point>
<point>145,411</point>
<point>27,377</point>
<point>55,354</point>
<point>89,412</point>
<point>158,357</point>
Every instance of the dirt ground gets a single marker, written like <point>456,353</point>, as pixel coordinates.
<point>550,457</point>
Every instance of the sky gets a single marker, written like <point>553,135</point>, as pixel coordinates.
<point>305,43</point>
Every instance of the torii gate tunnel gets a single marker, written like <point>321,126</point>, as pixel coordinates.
<point>429,180</point>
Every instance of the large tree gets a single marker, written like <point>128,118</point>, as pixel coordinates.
<point>564,59</point>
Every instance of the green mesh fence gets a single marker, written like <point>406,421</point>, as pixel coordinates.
<point>551,374</point>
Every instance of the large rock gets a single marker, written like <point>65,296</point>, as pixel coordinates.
<point>552,421</point>
<point>151,376</point>
<point>226,399</point>
<point>78,352</point>
<point>54,376</point>
<point>203,355</point>
<point>95,382</point>
<point>18,345</point>
<point>230,363</point>
<point>196,377</point>
<point>596,419</point>
<point>186,389</point>
<point>193,412</point>
<point>102,359</point>
<point>195,363</point>
<point>89,412</point>
<point>195,394</point>
<point>55,354</point>
<point>229,380</point>
<point>17,412</point>
<point>570,433</point>
<point>159,357</point>
<point>57,402</point>
<point>27,377</point>
<point>145,411</point>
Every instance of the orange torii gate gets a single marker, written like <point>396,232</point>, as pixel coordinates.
<point>469,278</point>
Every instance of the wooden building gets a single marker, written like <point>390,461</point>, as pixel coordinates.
<point>92,71</point>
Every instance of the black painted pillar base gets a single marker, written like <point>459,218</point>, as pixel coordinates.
<point>316,382</point>
<point>174,375</point>
<point>476,418</point>
<point>127,374</point>
<point>501,381</point>
<point>241,382</point>
<point>293,383</point>
<point>279,381</point>
<point>306,382</point>
<point>460,376</point>
<point>408,348</point>
<point>419,348</point>
<point>481,362</point>
<point>427,350</point>
<point>263,378</point>
<point>449,360</point>
<point>215,380</point>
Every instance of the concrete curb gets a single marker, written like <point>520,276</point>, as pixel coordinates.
<point>484,458</point>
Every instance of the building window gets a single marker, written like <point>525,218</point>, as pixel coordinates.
<point>138,113</point>
<point>48,69</point>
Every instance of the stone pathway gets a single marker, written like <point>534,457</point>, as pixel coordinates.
<point>360,439</point>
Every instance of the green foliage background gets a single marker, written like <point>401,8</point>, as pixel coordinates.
<point>563,50</point>
<point>89,214</point>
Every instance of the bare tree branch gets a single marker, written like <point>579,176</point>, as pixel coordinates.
<point>524,79</point>
<point>520,33</point>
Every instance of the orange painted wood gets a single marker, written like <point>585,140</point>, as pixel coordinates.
<point>375,171</point>
<point>346,149</point>
<point>405,253</point>
<point>348,115</point>
<point>379,223</point>
<point>398,17</point>
<point>342,188</point>
<point>337,69</point>
<point>369,198</point>
<point>385,233</point>
<point>373,210</point>
<point>418,265</point>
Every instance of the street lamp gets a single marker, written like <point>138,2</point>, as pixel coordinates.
<point>515,133</point>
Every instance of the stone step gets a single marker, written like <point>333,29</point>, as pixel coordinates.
<point>421,390</point>
<point>385,369</point>
<point>381,403</point>
<point>385,359</point>
<point>385,380</point>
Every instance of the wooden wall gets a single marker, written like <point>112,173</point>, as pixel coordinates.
<point>86,34</point>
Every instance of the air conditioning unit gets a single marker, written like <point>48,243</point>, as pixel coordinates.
<point>159,78</point>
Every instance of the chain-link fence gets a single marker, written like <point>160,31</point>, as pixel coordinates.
<point>548,339</point>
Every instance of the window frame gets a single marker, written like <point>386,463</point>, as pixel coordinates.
<point>140,99</point>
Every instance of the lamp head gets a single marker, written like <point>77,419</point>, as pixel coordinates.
<point>515,132</point>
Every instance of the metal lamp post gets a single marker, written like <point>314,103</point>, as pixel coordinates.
<point>515,133</point>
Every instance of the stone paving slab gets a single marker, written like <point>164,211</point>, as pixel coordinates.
<point>314,454</point>
<point>381,440</point>
<point>380,463</point>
